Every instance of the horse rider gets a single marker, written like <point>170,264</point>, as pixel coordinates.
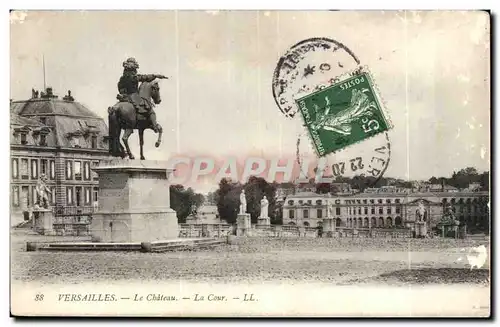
<point>128,88</point>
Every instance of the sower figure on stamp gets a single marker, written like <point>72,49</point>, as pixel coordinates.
<point>134,109</point>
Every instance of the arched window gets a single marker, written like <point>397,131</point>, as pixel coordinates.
<point>461,201</point>
<point>338,221</point>
<point>354,223</point>
<point>374,222</point>
<point>306,224</point>
<point>366,222</point>
<point>398,221</point>
<point>290,202</point>
<point>360,222</point>
<point>453,201</point>
<point>389,221</point>
<point>381,222</point>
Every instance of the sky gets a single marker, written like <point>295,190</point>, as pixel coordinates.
<point>431,69</point>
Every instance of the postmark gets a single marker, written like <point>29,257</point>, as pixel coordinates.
<point>344,113</point>
<point>307,64</point>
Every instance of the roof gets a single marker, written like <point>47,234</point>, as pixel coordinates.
<point>17,120</point>
<point>51,106</point>
<point>72,123</point>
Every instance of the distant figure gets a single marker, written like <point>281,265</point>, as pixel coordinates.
<point>264,207</point>
<point>243,202</point>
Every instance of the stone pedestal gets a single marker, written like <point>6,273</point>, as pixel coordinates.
<point>134,202</point>
<point>420,229</point>
<point>264,221</point>
<point>243,224</point>
<point>43,220</point>
<point>328,227</point>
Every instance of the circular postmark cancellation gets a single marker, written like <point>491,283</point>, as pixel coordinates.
<point>322,80</point>
<point>307,65</point>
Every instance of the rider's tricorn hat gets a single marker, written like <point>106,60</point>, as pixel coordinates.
<point>130,63</point>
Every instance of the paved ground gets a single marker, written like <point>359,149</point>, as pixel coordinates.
<point>337,261</point>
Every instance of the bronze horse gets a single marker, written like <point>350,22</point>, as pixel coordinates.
<point>123,116</point>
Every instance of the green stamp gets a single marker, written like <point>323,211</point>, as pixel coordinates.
<point>343,114</point>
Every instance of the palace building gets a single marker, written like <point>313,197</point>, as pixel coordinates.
<point>386,208</point>
<point>62,139</point>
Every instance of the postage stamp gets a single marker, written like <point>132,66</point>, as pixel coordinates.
<point>343,114</point>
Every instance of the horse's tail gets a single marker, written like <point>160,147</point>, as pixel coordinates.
<point>114,132</point>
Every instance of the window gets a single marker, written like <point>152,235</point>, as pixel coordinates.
<point>52,169</point>
<point>15,168</point>
<point>34,168</point>
<point>78,170</point>
<point>34,195</point>
<point>366,210</point>
<point>24,169</point>
<point>365,201</point>
<point>94,142</point>
<point>86,170</point>
<point>397,201</point>
<point>379,200</point>
<point>95,194</point>
<point>69,195</point>
<point>388,201</point>
<point>24,139</point>
<point>319,213</point>
<point>69,169</point>
<point>43,120</point>
<point>43,139</point>
<point>78,196</point>
<point>306,224</point>
<point>359,210</point>
<point>290,202</point>
<point>301,202</point>
<point>306,213</point>
<point>373,211</point>
<point>398,209</point>
<point>372,201</point>
<point>15,196</point>
<point>389,210</point>
<point>318,202</point>
<point>291,214</point>
<point>380,210</point>
<point>43,166</point>
<point>337,211</point>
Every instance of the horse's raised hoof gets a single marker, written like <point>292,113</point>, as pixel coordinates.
<point>157,144</point>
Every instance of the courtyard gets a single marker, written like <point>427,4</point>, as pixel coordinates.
<point>261,260</point>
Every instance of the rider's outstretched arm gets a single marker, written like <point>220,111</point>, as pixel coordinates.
<point>148,77</point>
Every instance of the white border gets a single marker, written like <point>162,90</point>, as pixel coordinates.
<point>147,4</point>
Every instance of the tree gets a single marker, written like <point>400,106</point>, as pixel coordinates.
<point>183,201</point>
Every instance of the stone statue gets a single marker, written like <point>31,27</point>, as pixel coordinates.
<point>42,190</point>
<point>243,202</point>
<point>330,210</point>
<point>421,212</point>
<point>264,207</point>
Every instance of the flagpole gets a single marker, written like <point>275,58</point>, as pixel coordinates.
<point>43,63</point>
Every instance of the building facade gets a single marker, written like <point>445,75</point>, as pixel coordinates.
<point>62,139</point>
<point>386,209</point>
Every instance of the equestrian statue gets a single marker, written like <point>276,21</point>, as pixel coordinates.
<point>134,109</point>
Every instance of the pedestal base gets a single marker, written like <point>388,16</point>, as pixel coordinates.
<point>135,227</point>
<point>43,221</point>
<point>264,221</point>
<point>329,227</point>
<point>134,202</point>
<point>243,224</point>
